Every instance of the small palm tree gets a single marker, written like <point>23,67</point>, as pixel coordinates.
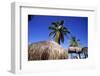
<point>74,42</point>
<point>75,45</point>
<point>58,31</point>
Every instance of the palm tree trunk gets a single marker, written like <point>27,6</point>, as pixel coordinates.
<point>57,38</point>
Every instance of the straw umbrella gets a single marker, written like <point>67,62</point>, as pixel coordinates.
<point>46,50</point>
<point>75,50</point>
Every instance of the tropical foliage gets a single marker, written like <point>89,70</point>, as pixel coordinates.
<point>74,42</point>
<point>58,31</point>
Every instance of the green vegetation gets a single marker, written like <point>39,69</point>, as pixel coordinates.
<point>74,42</point>
<point>58,31</point>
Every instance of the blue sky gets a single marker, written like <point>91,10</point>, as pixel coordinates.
<point>38,28</point>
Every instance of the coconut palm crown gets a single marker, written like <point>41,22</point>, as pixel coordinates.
<point>58,31</point>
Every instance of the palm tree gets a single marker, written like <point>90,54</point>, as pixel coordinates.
<point>75,46</point>
<point>58,31</point>
<point>74,42</point>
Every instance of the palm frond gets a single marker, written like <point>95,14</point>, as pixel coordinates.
<point>51,33</point>
<point>62,37</point>
<point>65,33</point>
<point>55,24</point>
<point>66,30</point>
<point>52,28</point>
<point>61,22</point>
